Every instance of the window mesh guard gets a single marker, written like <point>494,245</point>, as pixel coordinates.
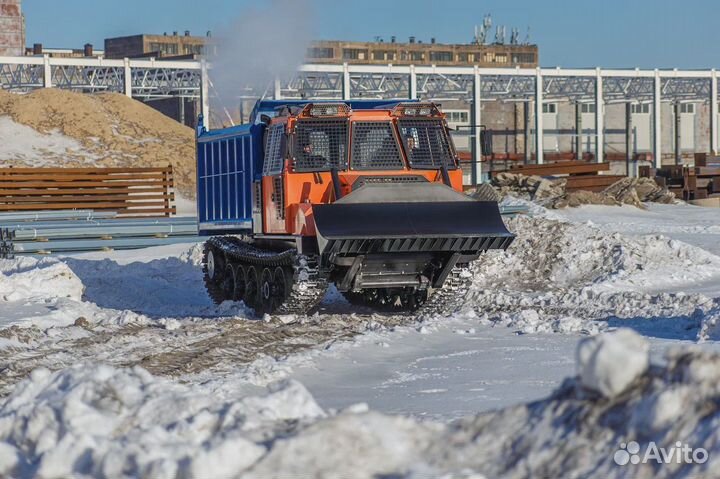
<point>274,157</point>
<point>320,145</point>
<point>374,147</point>
<point>426,143</point>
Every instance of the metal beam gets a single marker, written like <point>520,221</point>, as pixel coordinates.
<point>476,123</point>
<point>204,97</point>
<point>714,113</point>
<point>127,79</point>
<point>346,94</point>
<point>657,124</point>
<point>539,117</point>
<point>599,118</point>
<point>413,91</point>
<point>47,72</point>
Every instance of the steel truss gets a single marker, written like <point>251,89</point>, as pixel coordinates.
<point>142,79</point>
<point>509,85</point>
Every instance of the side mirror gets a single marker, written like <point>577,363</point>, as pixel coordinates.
<point>486,146</point>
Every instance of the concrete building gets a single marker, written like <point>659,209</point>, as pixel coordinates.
<point>415,52</point>
<point>164,46</point>
<point>12,28</point>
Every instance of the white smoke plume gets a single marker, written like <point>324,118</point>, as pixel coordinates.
<point>263,43</point>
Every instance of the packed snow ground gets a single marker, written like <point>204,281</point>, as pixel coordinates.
<point>148,309</point>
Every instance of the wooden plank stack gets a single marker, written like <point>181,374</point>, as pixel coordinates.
<point>581,175</point>
<point>130,192</point>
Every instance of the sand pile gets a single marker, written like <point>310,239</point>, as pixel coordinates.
<point>113,130</point>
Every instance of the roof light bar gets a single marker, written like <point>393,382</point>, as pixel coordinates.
<point>326,109</point>
<point>416,109</point>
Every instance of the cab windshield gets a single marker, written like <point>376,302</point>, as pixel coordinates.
<point>320,144</point>
<point>426,143</point>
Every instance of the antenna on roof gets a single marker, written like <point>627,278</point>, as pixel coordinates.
<point>500,35</point>
<point>527,37</point>
<point>514,36</point>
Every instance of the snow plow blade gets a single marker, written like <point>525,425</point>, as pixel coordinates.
<point>465,227</point>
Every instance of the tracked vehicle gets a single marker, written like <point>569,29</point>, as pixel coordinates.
<point>365,195</point>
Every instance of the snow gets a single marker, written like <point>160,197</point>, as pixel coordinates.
<point>104,422</point>
<point>137,373</point>
<point>25,145</point>
<point>611,362</point>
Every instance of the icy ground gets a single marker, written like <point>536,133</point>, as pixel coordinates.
<point>145,315</point>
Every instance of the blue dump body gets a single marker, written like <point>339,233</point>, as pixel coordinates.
<point>229,160</point>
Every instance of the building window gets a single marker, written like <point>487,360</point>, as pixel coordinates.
<point>489,57</point>
<point>320,52</point>
<point>354,54</point>
<point>501,58</point>
<point>466,57</point>
<point>587,107</point>
<point>441,56</point>
<point>193,49</point>
<point>417,56</point>
<point>549,108</point>
<point>687,108</point>
<point>164,48</point>
<point>383,55</point>
<point>640,108</point>
<point>457,116</point>
<point>523,58</point>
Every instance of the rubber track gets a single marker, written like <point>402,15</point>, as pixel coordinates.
<point>451,296</point>
<point>307,288</point>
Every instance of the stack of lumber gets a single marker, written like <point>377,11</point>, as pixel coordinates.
<point>581,175</point>
<point>127,191</point>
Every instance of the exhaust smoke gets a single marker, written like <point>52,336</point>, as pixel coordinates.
<point>262,44</point>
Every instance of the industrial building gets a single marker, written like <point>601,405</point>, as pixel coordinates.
<point>12,28</point>
<point>166,46</point>
<point>415,52</point>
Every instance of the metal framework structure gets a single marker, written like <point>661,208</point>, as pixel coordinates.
<point>142,79</point>
<point>151,79</point>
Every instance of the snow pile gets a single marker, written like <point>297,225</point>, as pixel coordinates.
<point>577,432</point>
<point>609,363</point>
<point>97,421</point>
<point>560,276</point>
<point>710,327</point>
<point>30,278</point>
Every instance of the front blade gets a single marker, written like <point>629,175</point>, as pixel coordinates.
<point>460,226</point>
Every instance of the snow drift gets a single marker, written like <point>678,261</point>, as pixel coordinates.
<point>29,278</point>
<point>98,421</point>
<point>560,276</point>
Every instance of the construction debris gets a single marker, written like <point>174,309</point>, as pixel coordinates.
<point>553,192</point>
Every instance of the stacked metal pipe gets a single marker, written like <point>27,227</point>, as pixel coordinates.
<point>79,231</point>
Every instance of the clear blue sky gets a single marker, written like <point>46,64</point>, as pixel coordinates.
<point>608,33</point>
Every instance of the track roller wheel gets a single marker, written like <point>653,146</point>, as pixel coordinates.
<point>240,283</point>
<point>281,288</point>
<point>252,288</point>
<point>214,273</point>
<point>232,283</point>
